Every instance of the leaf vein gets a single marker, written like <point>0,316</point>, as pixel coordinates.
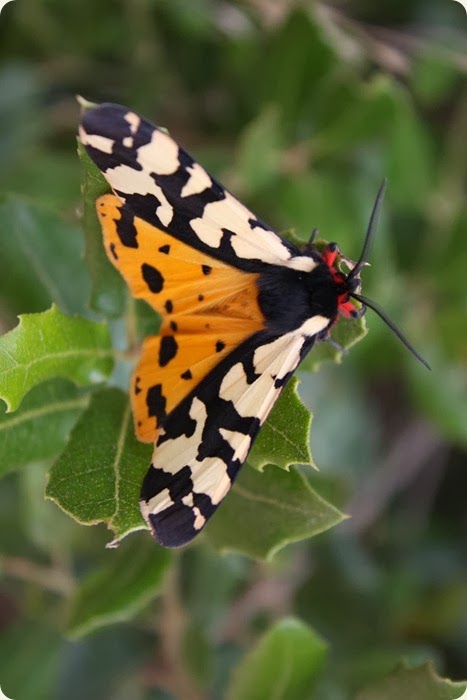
<point>57,407</point>
<point>250,496</point>
<point>91,352</point>
<point>118,456</point>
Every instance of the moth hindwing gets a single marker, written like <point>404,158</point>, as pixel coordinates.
<point>241,307</point>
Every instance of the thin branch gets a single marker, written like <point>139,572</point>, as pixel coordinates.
<point>53,579</point>
<point>169,670</point>
<point>390,48</point>
<point>271,593</point>
<point>416,446</point>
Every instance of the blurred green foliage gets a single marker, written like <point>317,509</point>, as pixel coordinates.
<point>300,108</point>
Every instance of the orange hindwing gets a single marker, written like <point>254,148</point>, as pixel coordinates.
<point>208,308</point>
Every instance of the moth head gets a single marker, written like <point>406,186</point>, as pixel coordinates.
<point>346,275</point>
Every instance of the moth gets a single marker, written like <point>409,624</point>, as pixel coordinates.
<point>241,307</point>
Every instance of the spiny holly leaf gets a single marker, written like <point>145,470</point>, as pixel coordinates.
<point>420,683</point>
<point>39,429</point>
<point>124,585</point>
<point>50,344</point>
<point>283,665</point>
<point>266,511</point>
<point>98,477</point>
<point>108,292</point>
<point>284,439</point>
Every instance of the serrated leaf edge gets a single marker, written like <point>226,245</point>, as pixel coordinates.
<point>248,495</point>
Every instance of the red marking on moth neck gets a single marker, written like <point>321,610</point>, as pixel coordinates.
<point>345,307</point>
<point>329,255</point>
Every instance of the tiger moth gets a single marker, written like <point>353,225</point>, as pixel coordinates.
<point>241,307</point>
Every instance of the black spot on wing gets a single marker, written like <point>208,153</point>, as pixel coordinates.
<point>113,251</point>
<point>153,278</point>
<point>214,445</point>
<point>108,120</point>
<point>167,349</point>
<point>257,223</point>
<point>250,369</point>
<point>226,243</point>
<point>220,346</point>
<point>169,307</point>
<point>126,229</point>
<point>143,205</point>
<point>157,480</point>
<point>156,403</point>
<point>187,375</point>
<point>204,503</point>
<point>164,249</point>
<point>207,269</point>
<point>138,389</point>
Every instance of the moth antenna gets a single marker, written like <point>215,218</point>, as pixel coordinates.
<point>314,233</point>
<point>397,332</point>
<point>309,245</point>
<point>370,230</point>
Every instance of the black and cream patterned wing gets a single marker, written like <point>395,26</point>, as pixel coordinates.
<point>206,439</point>
<point>164,186</point>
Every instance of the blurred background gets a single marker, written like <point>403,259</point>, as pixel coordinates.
<point>300,108</point>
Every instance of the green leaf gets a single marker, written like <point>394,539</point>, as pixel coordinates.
<point>410,158</point>
<point>420,683</point>
<point>108,290</point>
<point>266,511</point>
<point>50,344</point>
<point>124,585</point>
<point>367,116</point>
<point>208,584</point>
<point>41,259</point>
<point>21,97</point>
<point>285,437</point>
<point>309,200</point>
<point>197,652</point>
<point>295,64</point>
<point>433,76</point>
<point>39,429</point>
<point>262,136</point>
<point>29,661</point>
<point>47,527</point>
<point>283,665</point>
<point>441,395</point>
<point>98,477</point>
<point>51,180</point>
